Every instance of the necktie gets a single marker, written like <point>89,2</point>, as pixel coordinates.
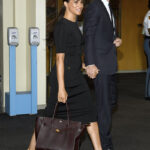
<point>111,14</point>
<point>112,19</point>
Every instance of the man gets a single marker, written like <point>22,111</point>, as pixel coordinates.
<point>101,62</point>
<point>146,32</point>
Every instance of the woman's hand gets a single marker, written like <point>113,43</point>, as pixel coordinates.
<point>62,95</point>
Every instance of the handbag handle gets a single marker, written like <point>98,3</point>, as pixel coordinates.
<point>56,110</point>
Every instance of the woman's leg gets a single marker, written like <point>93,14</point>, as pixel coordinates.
<point>93,132</point>
<point>32,142</point>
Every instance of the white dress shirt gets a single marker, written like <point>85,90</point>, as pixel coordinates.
<point>106,3</point>
<point>146,24</point>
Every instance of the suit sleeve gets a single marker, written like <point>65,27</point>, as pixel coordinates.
<point>91,18</point>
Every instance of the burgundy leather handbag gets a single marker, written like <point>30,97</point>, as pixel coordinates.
<point>57,134</point>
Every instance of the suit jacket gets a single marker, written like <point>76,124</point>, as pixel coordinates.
<point>99,37</point>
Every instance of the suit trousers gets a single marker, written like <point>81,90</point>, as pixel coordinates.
<point>147,52</point>
<point>106,98</point>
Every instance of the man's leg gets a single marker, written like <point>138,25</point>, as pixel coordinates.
<point>104,105</point>
<point>147,52</point>
<point>114,94</point>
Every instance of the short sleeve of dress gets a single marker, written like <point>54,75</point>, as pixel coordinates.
<point>60,37</point>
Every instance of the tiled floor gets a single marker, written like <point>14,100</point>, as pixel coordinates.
<point>130,128</point>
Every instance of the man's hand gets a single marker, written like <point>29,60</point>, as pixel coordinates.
<point>117,42</point>
<point>92,71</point>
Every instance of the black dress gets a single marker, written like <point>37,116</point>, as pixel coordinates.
<point>68,40</point>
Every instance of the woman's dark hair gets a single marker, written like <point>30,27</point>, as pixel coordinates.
<point>149,4</point>
<point>62,11</point>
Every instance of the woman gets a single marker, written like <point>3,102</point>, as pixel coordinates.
<point>67,82</point>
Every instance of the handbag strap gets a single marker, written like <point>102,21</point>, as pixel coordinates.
<point>56,110</point>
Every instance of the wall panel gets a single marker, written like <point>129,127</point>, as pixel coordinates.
<point>131,54</point>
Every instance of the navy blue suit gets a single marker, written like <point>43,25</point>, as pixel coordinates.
<point>100,50</point>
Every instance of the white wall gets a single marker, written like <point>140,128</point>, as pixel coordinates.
<point>1,38</point>
<point>1,51</point>
<point>24,14</point>
<point>41,23</point>
<point>8,21</point>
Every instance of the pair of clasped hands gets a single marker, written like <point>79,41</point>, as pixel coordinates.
<point>91,70</point>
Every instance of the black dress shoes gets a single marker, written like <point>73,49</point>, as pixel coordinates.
<point>147,98</point>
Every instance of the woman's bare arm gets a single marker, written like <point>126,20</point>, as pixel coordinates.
<point>62,94</point>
